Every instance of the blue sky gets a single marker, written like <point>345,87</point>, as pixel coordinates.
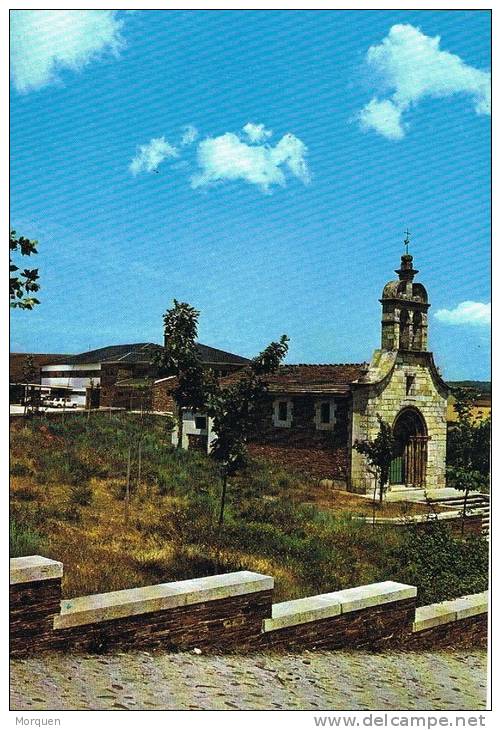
<point>261,165</point>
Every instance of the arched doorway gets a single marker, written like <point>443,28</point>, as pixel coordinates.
<point>409,465</point>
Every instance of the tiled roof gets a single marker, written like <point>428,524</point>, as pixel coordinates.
<point>145,351</point>
<point>309,379</point>
<point>138,352</point>
<point>211,355</point>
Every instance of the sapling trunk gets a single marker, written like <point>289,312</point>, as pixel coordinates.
<point>180,428</point>
<point>223,500</point>
<point>374,504</point>
<point>127,490</point>
<point>139,468</point>
<point>465,503</point>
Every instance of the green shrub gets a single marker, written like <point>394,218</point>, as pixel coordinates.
<point>441,565</point>
<point>23,540</point>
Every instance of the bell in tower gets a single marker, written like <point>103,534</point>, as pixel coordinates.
<point>405,310</point>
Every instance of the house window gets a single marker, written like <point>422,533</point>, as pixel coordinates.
<point>200,423</point>
<point>325,415</point>
<point>282,410</point>
<point>409,382</point>
<point>282,413</point>
<point>325,412</point>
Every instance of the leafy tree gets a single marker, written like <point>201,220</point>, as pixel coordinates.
<point>234,411</point>
<point>379,453</point>
<point>23,283</point>
<point>468,449</point>
<point>180,357</point>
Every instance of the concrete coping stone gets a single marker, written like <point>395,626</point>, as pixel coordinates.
<point>34,568</point>
<point>301,611</point>
<point>163,596</point>
<point>373,594</point>
<point>328,605</point>
<point>409,519</point>
<point>436,614</point>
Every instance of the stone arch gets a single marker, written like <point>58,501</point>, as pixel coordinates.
<point>411,434</point>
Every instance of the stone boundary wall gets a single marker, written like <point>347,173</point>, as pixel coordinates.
<point>35,598</point>
<point>462,621</point>
<point>227,612</point>
<point>371,616</point>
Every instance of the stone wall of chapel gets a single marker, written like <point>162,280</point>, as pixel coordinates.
<point>387,399</point>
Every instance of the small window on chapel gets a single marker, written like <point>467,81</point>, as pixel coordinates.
<point>409,382</point>
<point>282,410</point>
<point>200,423</point>
<point>325,413</point>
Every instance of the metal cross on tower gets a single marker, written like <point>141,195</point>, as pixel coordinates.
<point>407,241</point>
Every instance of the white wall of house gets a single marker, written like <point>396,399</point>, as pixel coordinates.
<point>191,426</point>
<point>77,384</point>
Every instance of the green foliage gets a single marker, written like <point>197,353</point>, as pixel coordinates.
<point>379,453</point>
<point>24,540</point>
<point>468,446</point>
<point>440,565</point>
<point>24,283</point>
<point>233,411</point>
<point>180,358</point>
<point>180,355</point>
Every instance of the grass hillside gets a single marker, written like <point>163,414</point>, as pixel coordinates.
<point>67,502</point>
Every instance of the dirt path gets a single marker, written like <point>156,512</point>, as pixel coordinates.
<point>310,681</point>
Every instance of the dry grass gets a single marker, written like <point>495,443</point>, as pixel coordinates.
<point>337,501</point>
<point>102,551</point>
<point>69,492</point>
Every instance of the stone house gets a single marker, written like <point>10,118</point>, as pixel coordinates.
<point>313,414</point>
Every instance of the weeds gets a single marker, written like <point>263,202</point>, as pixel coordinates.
<point>24,540</point>
<point>68,503</point>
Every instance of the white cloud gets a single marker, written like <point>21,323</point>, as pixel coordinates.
<point>383,116</point>
<point>256,132</point>
<point>190,135</point>
<point>45,41</point>
<point>475,313</point>
<point>149,156</point>
<point>228,158</point>
<point>410,66</point>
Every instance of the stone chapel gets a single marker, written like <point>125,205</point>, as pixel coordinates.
<point>313,414</point>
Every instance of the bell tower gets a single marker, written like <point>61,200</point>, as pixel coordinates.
<point>404,324</point>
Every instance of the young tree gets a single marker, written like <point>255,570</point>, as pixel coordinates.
<point>379,453</point>
<point>234,411</point>
<point>24,283</point>
<point>28,374</point>
<point>180,357</point>
<point>468,449</point>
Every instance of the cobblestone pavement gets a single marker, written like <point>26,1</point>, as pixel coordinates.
<point>319,680</point>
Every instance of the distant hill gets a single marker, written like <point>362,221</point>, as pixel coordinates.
<point>482,386</point>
